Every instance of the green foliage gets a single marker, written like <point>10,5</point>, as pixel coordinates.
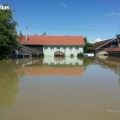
<point>86,61</point>
<point>87,46</point>
<point>8,33</point>
<point>44,33</point>
<point>80,55</point>
<point>118,36</point>
<point>8,84</point>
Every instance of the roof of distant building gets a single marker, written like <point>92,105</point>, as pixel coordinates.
<point>101,43</point>
<point>51,40</point>
<point>112,49</point>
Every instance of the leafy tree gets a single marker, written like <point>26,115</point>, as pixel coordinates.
<point>118,36</point>
<point>8,33</point>
<point>87,46</point>
<point>44,33</point>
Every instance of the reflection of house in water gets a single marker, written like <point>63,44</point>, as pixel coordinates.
<point>62,60</point>
<point>111,64</point>
<point>37,71</point>
<point>53,61</point>
<point>65,66</point>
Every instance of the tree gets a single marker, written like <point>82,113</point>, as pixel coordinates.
<point>44,33</point>
<point>87,46</point>
<point>118,36</point>
<point>8,33</point>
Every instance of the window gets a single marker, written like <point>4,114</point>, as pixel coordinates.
<point>64,49</point>
<point>64,62</point>
<point>52,48</point>
<point>76,62</point>
<point>52,61</point>
<point>58,48</point>
<point>77,49</point>
<point>70,48</point>
<point>26,56</point>
<point>45,61</point>
<point>45,48</point>
<point>70,62</point>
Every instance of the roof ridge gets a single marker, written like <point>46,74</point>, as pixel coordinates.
<point>53,35</point>
<point>52,40</point>
<point>106,40</point>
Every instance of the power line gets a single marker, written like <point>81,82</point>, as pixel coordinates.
<point>66,28</point>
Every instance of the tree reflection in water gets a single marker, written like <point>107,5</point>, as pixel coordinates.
<point>87,61</point>
<point>8,84</point>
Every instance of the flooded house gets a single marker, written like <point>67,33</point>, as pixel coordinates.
<point>115,51</point>
<point>98,48</point>
<point>21,51</point>
<point>49,45</point>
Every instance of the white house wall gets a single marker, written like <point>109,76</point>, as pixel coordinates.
<point>68,52</point>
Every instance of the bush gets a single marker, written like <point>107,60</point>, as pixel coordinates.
<point>80,55</point>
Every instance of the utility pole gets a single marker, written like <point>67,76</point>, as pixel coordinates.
<point>118,40</point>
<point>26,33</point>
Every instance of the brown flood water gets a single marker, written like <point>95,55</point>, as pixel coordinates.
<point>60,89</point>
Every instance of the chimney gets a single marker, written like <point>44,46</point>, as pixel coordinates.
<point>20,35</point>
<point>26,34</point>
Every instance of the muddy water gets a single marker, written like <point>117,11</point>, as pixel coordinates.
<point>60,89</point>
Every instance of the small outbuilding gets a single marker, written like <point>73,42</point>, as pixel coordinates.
<point>115,51</point>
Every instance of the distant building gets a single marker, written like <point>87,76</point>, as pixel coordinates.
<point>115,51</point>
<point>98,48</point>
<point>48,45</point>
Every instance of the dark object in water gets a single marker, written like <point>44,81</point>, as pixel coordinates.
<point>80,55</point>
<point>59,53</point>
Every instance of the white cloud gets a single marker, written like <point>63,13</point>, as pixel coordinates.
<point>98,40</point>
<point>93,40</point>
<point>111,14</point>
<point>64,5</point>
<point>90,42</point>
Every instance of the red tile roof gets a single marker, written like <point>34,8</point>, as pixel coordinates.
<point>51,40</point>
<point>112,49</point>
<point>98,44</point>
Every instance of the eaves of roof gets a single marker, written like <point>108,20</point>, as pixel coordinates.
<point>30,49</point>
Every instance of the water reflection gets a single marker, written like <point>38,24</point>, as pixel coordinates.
<point>110,63</point>
<point>53,66</point>
<point>8,84</point>
<point>75,87</point>
<point>62,60</point>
